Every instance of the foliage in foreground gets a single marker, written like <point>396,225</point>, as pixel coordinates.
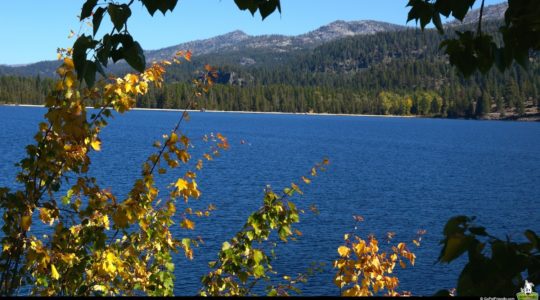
<point>495,267</point>
<point>364,270</point>
<point>102,245</point>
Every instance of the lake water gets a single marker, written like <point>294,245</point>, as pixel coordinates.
<point>400,174</point>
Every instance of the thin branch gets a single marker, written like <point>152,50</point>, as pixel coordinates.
<point>479,32</point>
<point>168,140</point>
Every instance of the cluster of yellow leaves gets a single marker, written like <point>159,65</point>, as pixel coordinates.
<point>121,245</point>
<point>363,270</point>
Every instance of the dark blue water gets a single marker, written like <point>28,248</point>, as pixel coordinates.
<point>400,174</point>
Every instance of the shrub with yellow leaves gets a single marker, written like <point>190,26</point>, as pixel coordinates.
<point>364,270</point>
<point>100,245</point>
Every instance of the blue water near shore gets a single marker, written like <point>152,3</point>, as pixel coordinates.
<point>400,174</point>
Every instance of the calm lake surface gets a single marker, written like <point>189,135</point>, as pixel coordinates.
<point>400,174</point>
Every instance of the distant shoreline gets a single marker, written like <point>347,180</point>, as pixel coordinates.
<point>240,112</point>
<point>490,117</point>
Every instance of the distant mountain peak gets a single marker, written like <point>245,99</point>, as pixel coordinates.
<point>340,29</point>
<point>237,34</point>
<point>356,27</point>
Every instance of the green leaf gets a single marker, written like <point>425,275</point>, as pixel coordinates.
<point>258,271</point>
<point>186,242</point>
<point>151,6</point>
<point>251,5</point>
<point>265,7</point>
<point>96,20</point>
<point>103,53</point>
<point>461,7</point>
<point>420,10</point>
<point>134,55</point>
<point>257,256</point>
<point>478,231</point>
<point>169,266</point>
<point>288,191</point>
<point>444,7</point>
<point>243,276</point>
<point>87,8</point>
<point>67,198</point>
<point>522,57</point>
<point>454,247</point>
<point>164,5</point>
<point>284,232</point>
<point>90,73</point>
<point>119,15</point>
<point>455,225</point>
<point>438,23</point>
<point>82,44</point>
<point>225,246</point>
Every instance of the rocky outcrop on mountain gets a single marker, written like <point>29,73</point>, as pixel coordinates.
<point>490,13</point>
<point>238,40</point>
<point>340,29</point>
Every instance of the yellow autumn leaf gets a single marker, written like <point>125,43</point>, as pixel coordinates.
<point>184,140</point>
<point>199,164</point>
<point>120,218</point>
<point>359,248</point>
<point>59,85</point>
<point>344,251</point>
<point>54,273</point>
<point>188,224</point>
<point>306,180</point>
<point>296,188</point>
<point>68,62</point>
<point>26,221</point>
<point>68,81</point>
<point>184,156</point>
<point>45,216</point>
<point>174,138</point>
<point>181,184</point>
<point>96,145</point>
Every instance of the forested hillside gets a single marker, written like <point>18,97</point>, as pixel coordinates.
<point>393,72</point>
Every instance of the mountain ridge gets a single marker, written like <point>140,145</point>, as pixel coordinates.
<point>239,40</point>
<point>271,43</point>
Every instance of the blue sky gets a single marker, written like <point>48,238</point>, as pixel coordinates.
<point>31,30</point>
